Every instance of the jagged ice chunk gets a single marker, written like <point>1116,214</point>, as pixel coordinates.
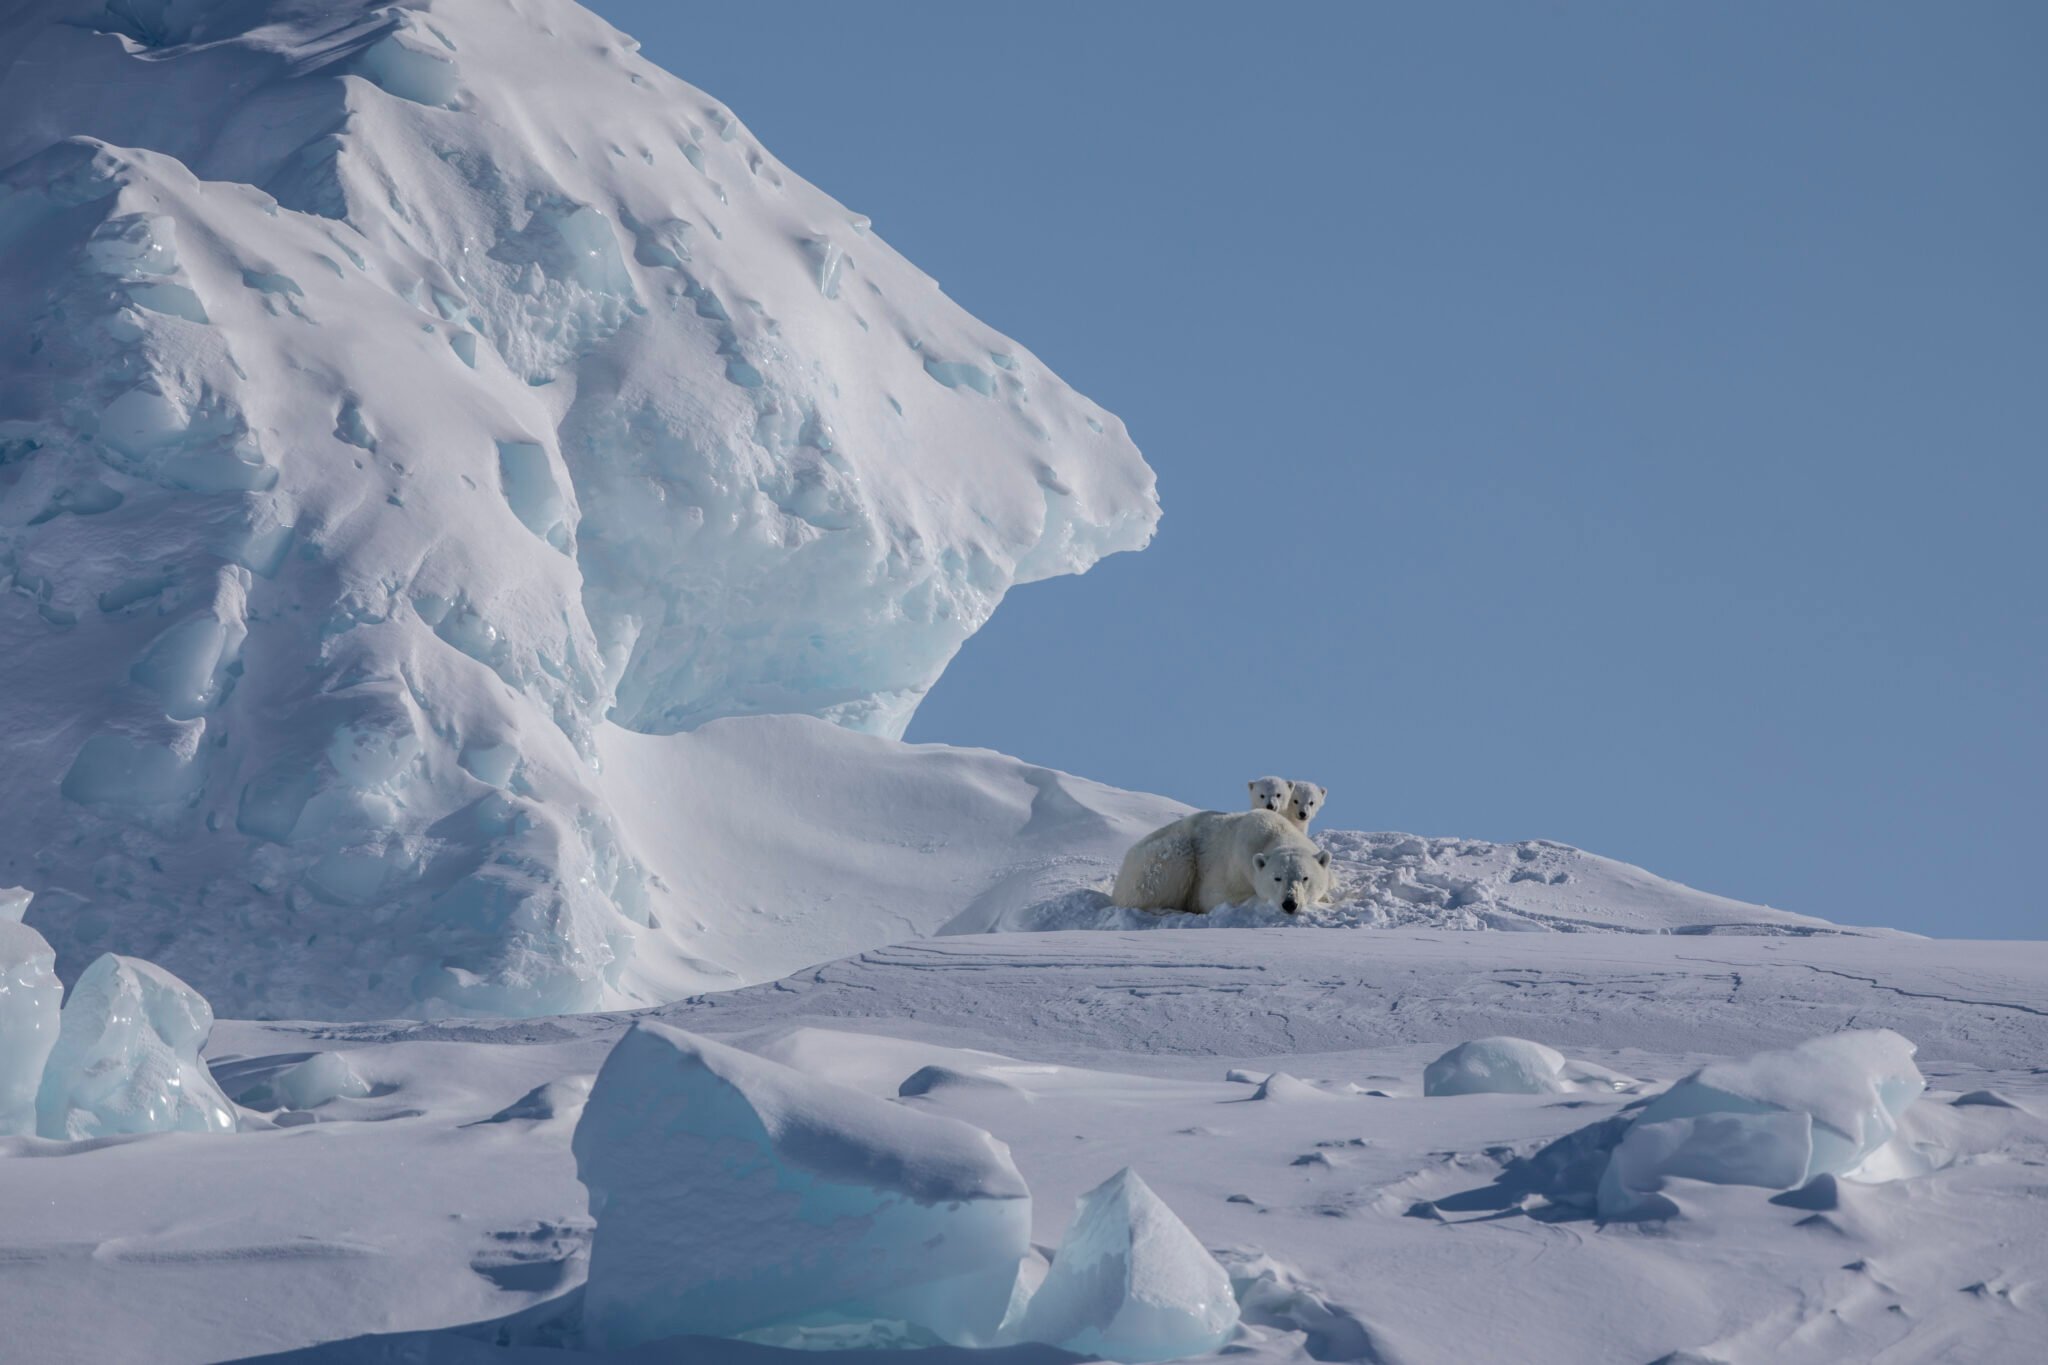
<point>29,996</point>
<point>736,1196</point>
<point>127,1057</point>
<point>1130,1282</point>
<point>1776,1120</point>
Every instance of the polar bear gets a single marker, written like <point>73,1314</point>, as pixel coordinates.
<point>1303,801</point>
<point>1214,858</point>
<point>1271,793</point>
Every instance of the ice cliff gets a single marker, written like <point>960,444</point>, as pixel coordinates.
<point>395,398</point>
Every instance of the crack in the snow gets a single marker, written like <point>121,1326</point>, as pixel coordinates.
<point>1877,985</point>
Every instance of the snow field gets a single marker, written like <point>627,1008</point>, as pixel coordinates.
<point>446,1204</point>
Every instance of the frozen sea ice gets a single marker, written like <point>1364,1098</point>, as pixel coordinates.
<point>1131,1283</point>
<point>29,996</point>
<point>127,1057</point>
<point>735,1196</point>
<point>1775,1120</point>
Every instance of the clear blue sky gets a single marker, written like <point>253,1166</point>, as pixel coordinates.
<point>1622,424</point>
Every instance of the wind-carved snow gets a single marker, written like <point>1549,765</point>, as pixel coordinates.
<point>1778,1119</point>
<point>1516,1066</point>
<point>396,400</point>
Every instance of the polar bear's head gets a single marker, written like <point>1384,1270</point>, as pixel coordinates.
<point>1304,800</point>
<point>1271,793</point>
<point>1290,878</point>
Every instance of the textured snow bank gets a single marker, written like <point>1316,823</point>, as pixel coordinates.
<point>1776,1120</point>
<point>127,1058</point>
<point>1397,881</point>
<point>393,399</point>
<point>736,1196</point>
<point>1515,1066</point>
<point>1130,1282</point>
<point>29,998</point>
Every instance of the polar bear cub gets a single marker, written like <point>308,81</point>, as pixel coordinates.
<point>1271,793</point>
<point>1303,801</point>
<point>1210,859</point>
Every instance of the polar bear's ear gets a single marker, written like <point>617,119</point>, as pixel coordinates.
<point>1323,857</point>
<point>1259,861</point>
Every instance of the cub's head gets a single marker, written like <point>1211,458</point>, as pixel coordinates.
<point>1305,799</point>
<point>1289,878</point>
<point>1271,793</point>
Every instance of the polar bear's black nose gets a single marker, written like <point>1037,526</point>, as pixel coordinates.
<point>1288,905</point>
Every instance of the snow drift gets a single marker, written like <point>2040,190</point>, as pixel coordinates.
<point>396,398</point>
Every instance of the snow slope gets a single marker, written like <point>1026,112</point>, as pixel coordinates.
<point>398,395</point>
<point>1359,1225</point>
<point>1391,880</point>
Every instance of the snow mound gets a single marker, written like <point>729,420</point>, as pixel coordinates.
<point>1131,1283</point>
<point>394,402</point>
<point>127,1057</point>
<point>322,1077</point>
<point>1283,1088</point>
<point>1515,1066</point>
<point>29,999</point>
<point>1776,1120</point>
<point>736,1197</point>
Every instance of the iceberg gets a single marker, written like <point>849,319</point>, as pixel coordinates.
<point>469,387</point>
<point>1775,1120</point>
<point>127,1059</point>
<point>1130,1282</point>
<point>1515,1066</point>
<point>736,1197</point>
<point>29,996</point>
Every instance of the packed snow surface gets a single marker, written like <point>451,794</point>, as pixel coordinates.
<point>29,999</point>
<point>1360,1226</point>
<point>1130,1282</point>
<point>395,400</point>
<point>736,1196</point>
<point>127,1057</point>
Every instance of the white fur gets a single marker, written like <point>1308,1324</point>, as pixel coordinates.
<point>1304,799</point>
<point>1214,858</point>
<point>1271,793</point>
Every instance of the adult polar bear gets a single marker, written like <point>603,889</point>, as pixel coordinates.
<point>1212,858</point>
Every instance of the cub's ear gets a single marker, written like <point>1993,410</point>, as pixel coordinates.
<point>1322,793</point>
<point>1251,786</point>
<point>1259,861</point>
<point>1323,857</point>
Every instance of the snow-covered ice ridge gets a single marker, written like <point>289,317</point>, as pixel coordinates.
<point>395,401</point>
